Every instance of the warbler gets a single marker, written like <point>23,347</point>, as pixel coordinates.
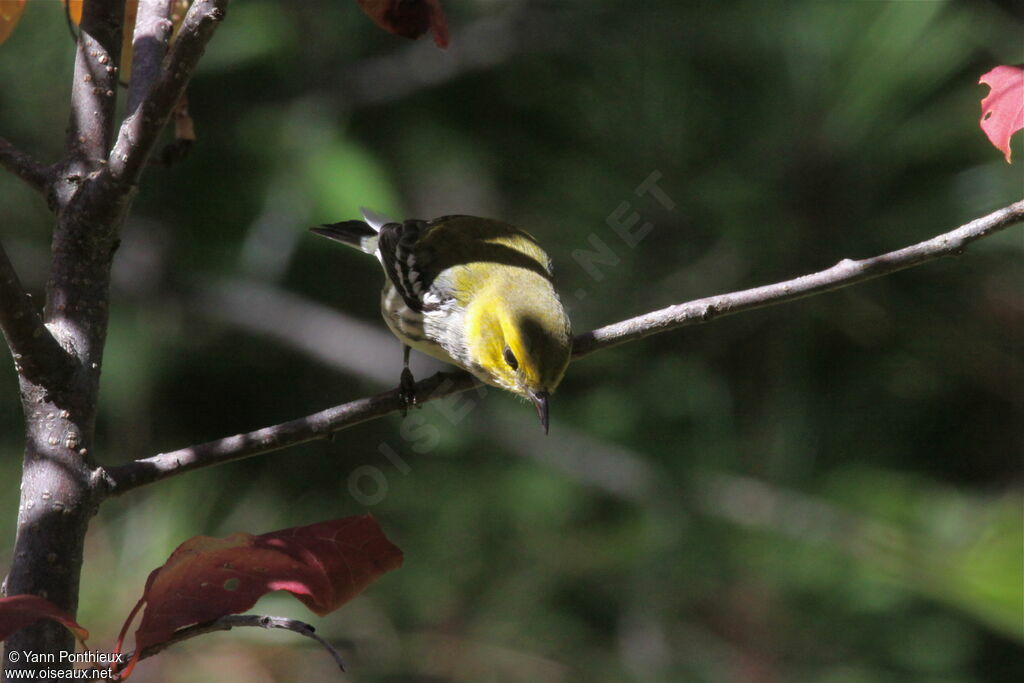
<point>474,292</point>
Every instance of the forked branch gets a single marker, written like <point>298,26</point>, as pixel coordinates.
<point>139,132</point>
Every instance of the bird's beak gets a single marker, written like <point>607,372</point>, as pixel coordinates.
<point>540,402</point>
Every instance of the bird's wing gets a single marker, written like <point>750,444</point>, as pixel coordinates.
<point>398,256</point>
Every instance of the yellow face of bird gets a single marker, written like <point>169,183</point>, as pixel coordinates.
<point>523,351</point>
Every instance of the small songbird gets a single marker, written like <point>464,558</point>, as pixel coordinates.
<point>473,292</point>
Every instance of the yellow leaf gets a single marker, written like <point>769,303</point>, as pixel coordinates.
<point>10,13</point>
<point>74,9</point>
<point>131,10</point>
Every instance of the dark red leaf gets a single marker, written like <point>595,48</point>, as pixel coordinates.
<point>1002,111</point>
<point>18,611</point>
<point>408,18</point>
<point>324,565</point>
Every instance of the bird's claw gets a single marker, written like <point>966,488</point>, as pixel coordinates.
<point>407,391</point>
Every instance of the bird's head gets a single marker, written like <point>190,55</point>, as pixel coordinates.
<point>521,346</point>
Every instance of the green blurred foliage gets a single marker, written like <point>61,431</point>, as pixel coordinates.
<point>824,491</point>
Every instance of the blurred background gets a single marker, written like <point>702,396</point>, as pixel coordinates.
<point>828,490</point>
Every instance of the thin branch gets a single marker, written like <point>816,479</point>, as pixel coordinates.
<point>94,85</point>
<point>24,166</point>
<point>123,478</point>
<point>140,130</point>
<point>131,475</point>
<point>226,623</point>
<point>149,45</point>
<point>845,273</point>
<point>36,352</point>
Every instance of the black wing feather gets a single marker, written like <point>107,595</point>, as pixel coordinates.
<point>397,247</point>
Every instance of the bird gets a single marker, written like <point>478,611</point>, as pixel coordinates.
<point>474,292</point>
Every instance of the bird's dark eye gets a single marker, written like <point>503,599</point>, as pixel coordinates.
<point>510,358</point>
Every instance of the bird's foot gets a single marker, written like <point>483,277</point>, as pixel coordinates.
<point>407,391</point>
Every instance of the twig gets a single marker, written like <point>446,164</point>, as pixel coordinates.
<point>122,478</point>
<point>35,350</point>
<point>140,130</point>
<point>845,273</point>
<point>226,623</point>
<point>131,475</point>
<point>24,166</point>
<point>149,44</point>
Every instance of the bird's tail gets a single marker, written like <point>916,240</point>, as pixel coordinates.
<point>359,234</point>
<point>353,233</point>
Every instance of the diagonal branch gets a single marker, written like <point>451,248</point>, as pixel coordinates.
<point>131,475</point>
<point>141,128</point>
<point>24,166</point>
<point>845,273</point>
<point>94,86</point>
<point>36,353</point>
<point>149,45</point>
<point>122,478</point>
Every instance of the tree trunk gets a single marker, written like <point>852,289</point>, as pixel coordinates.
<point>59,400</point>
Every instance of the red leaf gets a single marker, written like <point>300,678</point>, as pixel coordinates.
<point>408,18</point>
<point>10,14</point>
<point>18,611</point>
<point>1002,111</point>
<point>324,565</point>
